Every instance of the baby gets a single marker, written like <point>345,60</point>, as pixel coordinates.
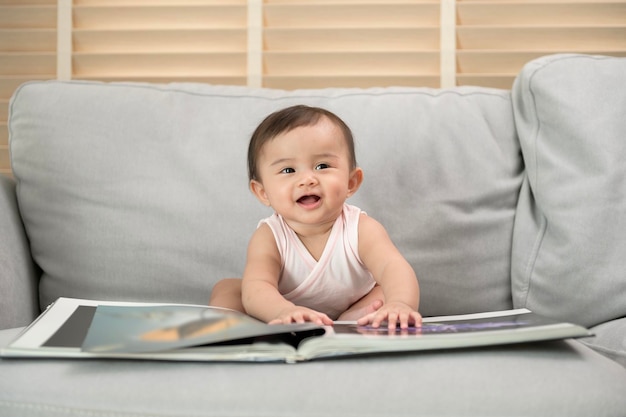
<point>316,258</point>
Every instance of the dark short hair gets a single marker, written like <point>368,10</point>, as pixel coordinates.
<point>285,120</point>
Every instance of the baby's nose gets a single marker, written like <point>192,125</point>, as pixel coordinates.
<point>308,178</point>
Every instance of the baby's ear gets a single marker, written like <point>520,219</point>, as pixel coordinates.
<point>259,191</point>
<point>355,181</point>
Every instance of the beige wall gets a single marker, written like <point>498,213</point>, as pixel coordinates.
<point>294,43</point>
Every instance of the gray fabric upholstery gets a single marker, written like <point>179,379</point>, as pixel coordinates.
<point>18,275</point>
<point>569,246</point>
<point>546,379</point>
<point>133,191</point>
<point>610,340</point>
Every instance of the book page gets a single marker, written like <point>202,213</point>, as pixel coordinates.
<point>496,328</point>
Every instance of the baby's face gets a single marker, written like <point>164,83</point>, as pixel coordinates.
<point>306,175</point>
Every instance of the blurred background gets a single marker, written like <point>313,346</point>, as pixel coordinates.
<point>291,44</point>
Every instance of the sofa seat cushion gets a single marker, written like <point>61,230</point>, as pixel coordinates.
<point>546,379</point>
<point>610,340</point>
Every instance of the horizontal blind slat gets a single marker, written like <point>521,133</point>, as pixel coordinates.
<point>350,16</point>
<point>295,82</point>
<point>160,40</point>
<point>16,17</point>
<point>541,13</point>
<point>27,40</point>
<point>31,64</point>
<point>352,63</point>
<point>152,3</point>
<point>165,79</point>
<point>542,38</point>
<point>159,17</point>
<point>354,3</point>
<point>161,65</point>
<point>351,39</point>
<point>504,81</point>
<point>28,2</point>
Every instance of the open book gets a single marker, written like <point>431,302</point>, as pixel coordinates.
<point>73,328</point>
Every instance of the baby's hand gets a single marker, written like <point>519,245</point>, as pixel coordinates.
<point>393,313</point>
<point>301,315</point>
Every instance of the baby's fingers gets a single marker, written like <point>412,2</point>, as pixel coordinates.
<point>302,316</point>
<point>408,318</point>
<point>365,320</point>
<point>379,317</point>
<point>415,319</point>
<point>403,318</point>
<point>394,318</point>
<point>317,318</point>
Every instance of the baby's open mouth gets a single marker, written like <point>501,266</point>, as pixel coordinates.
<point>308,199</point>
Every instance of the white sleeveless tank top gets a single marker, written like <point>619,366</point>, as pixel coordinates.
<point>333,283</point>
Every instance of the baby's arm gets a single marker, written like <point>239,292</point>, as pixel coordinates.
<point>260,295</point>
<point>393,273</point>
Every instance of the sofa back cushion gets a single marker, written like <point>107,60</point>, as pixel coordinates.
<point>139,191</point>
<point>569,251</point>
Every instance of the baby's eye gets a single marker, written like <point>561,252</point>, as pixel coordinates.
<point>287,171</point>
<point>322,166</point>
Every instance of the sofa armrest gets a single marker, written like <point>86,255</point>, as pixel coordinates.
<point>19,276</point>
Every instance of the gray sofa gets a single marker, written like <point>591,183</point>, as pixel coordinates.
<point>498,199</point>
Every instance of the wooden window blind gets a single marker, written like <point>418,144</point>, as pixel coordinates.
<point>496,38</point>
<point>27,52</point>
<point>293,44</point>
<point>160,41</point>
<point>350,43</point>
